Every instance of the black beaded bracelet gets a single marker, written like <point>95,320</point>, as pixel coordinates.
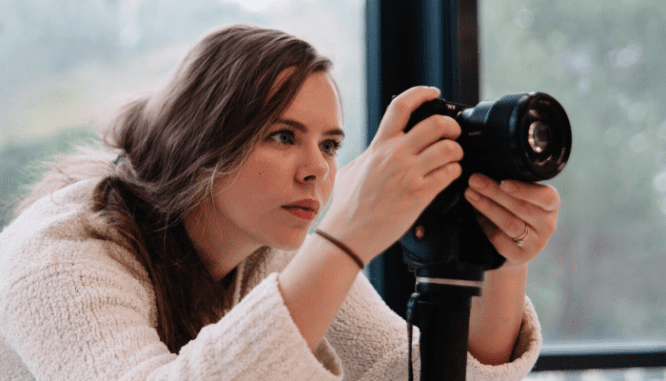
<point>342,247</point>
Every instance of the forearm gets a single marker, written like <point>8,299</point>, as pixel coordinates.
<point>315,284</point>
<point>497,315</point>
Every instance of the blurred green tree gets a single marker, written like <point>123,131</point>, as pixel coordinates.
<point>603,61</point>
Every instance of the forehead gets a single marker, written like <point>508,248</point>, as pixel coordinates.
<point>317,100</point>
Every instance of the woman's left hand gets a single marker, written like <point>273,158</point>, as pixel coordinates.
<point>519,218</point>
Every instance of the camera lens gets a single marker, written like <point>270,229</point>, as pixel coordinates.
<point>538,136</point>
<point>524,136</point>
<point>547,135</point>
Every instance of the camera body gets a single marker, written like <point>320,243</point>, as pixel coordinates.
<point>524,137</point>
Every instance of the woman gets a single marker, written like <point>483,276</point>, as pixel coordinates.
<point>187,255</point>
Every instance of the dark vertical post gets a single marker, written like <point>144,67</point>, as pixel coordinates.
<point>410,43</point>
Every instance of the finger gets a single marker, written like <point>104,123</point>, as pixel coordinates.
<point>439,154</point>
<point>431,130</point>
<point>542,195</point>
<point>524,209</point>
<point>496,235</point>
<point>512,225</point>
<point>506,245</point>
<point>400,109</point>
<point>441,177</point>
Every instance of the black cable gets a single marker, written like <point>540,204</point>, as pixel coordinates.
<point>410,327</point>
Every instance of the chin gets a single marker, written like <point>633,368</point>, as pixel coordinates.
<point>289,241</point>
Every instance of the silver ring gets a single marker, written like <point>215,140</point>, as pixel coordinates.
<point>519,240</point>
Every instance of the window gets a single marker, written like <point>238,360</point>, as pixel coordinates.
<point>600,282</point>
<point>598,286</point>
<point>601,277</point>
<point>61,61</point>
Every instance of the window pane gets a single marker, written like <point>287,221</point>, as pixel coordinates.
<point>602,276</point>
<point>61,60</point>
<point>656,374</point>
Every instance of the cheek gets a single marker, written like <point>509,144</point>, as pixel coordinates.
<point>271,172</point>
<point>257,183</point>
<point>327,186</point>
<point>267,179</point>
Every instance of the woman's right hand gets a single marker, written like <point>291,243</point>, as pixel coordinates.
<point>380,194</point>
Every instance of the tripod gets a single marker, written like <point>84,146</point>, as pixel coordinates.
<point>448,252</point>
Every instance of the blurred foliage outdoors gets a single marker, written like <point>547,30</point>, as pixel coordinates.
<point>601,278</point>
<point>63,62</point>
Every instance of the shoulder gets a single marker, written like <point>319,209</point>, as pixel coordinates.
<point>52,218</point>
<point>54,234</point>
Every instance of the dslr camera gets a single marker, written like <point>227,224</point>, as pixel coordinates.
<point>524,137</point>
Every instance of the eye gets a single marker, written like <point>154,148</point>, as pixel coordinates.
<point>283,137</point>
<point>330,147</point>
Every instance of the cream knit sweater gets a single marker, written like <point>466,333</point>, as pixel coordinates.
<point>68,311</point>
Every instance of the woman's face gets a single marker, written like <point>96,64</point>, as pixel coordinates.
<point>287,179</point>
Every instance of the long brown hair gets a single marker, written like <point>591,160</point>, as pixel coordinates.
<point>199,126</point>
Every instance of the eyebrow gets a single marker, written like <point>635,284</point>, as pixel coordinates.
<point>301,127</point>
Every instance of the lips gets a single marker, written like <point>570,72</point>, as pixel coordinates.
<point>306,209</point>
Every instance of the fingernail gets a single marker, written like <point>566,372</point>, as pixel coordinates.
<point>472,195</point>
<point>477,182</point>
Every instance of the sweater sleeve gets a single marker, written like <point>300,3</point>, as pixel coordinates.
<point>86,319</point>
<point>371,341</point>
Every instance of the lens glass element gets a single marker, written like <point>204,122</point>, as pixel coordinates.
<point>538,136</point>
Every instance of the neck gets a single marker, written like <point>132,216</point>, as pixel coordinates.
<point>220,249</point>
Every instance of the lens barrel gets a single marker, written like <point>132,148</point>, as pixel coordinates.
<point>524,137</point>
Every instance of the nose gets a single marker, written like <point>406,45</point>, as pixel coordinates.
<point>313,167</point>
